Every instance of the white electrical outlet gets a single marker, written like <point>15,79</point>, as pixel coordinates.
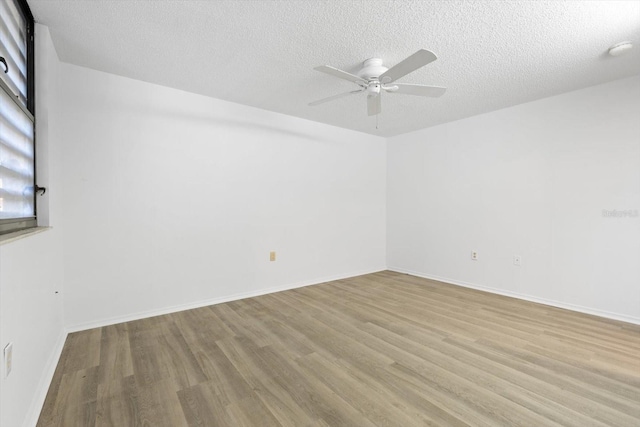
<point>474,255</point>
<point>8,359</point>
<point>517,260</point>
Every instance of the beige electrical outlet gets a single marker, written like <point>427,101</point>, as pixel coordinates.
<point>272,256</point>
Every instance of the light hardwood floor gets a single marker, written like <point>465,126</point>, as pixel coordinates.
<point>385,349</point>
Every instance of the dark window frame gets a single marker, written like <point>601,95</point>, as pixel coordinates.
<point>11,225</point>
<point>31,66</point>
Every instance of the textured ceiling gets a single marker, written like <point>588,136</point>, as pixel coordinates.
<point>491,54</point>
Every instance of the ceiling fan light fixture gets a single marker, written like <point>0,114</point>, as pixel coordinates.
<point>620,48</point>
<point>374,78</point>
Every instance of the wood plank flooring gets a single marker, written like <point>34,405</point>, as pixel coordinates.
<point>385,349</point>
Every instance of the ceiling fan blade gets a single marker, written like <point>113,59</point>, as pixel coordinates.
<point>340,74</point>
<point>374,104</point>
<point>331,98</point>
<point>409,65</point>
<point>419,90</point>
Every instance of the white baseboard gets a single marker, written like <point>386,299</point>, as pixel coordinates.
<point>553,303</point>
<point>45,381</point>
<point>212,301</point>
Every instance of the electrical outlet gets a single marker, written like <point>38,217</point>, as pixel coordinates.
<point>8,359</point>
<point>517,260</point>
<point>474,255</point>
<point>272,256</point>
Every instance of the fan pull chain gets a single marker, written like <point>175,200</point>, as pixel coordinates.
<point>377,121</point>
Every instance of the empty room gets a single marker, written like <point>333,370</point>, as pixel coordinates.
<point>319,213</point>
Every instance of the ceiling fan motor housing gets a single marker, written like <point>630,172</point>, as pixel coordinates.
<point>373,88</point>
<point>372,69</point>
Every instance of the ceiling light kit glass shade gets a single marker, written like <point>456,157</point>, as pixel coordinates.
<point>620,48</point>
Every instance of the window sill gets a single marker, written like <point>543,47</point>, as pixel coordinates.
<point>17,235</point>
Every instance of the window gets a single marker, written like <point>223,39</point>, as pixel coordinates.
<point>17,112</point>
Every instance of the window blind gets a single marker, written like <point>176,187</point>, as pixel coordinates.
<point>13,48</point>
<point>16,160</point>
<point>17,157</point>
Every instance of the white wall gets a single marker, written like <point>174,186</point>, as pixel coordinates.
<point>530,180</point>
<point>172,199</point>
<point>31,272</point>
<point>161,198</point>
<point>168,199</point>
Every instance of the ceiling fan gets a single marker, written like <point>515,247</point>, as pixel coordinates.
<point>374,78</point>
